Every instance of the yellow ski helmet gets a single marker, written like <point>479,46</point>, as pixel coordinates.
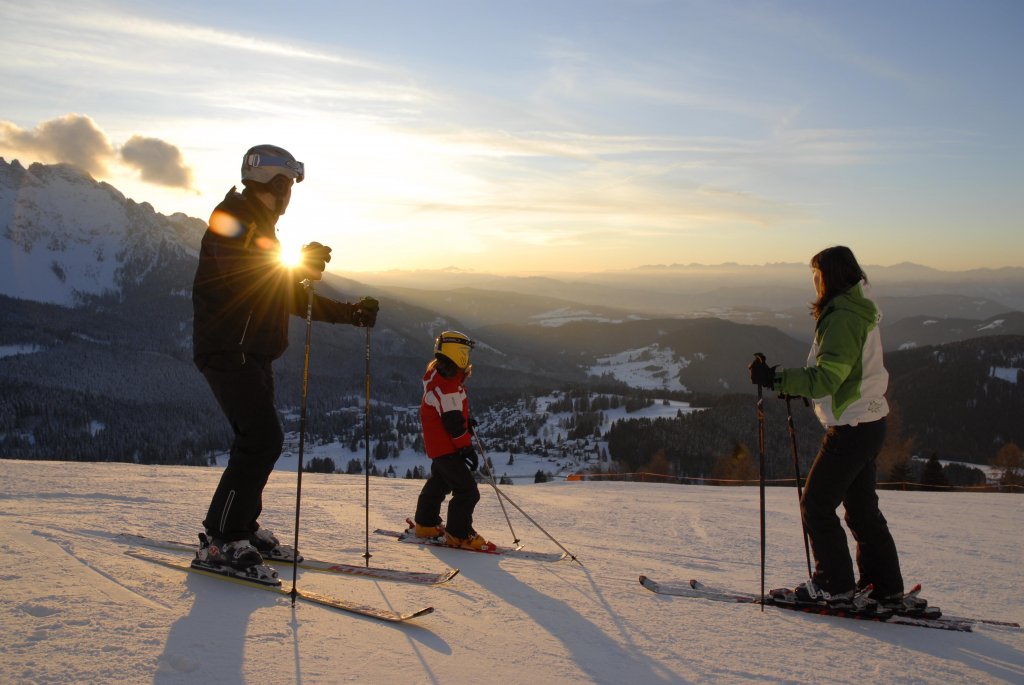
<point>455,346</point>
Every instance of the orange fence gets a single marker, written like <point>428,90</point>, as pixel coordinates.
<point>643,477</point>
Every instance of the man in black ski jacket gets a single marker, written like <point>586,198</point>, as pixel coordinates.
<point>242,297</point>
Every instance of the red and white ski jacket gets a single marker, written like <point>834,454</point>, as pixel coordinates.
<point>444,414</point>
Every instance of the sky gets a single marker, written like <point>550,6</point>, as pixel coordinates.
<point>577,135</point>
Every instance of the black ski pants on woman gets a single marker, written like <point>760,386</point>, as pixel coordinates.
<point>844,473</point>
<point>244,388</point>
<point>449,473</point>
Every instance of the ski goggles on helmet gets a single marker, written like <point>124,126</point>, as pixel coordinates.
<point>444,340</point>
<point>293,165</point>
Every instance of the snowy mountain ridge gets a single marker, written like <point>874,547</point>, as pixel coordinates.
<point>68,236</point>
<point>95,328</point>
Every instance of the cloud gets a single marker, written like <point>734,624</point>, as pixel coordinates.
<point>157,161</point>
<point>76,139</point>
<point>72,138</point>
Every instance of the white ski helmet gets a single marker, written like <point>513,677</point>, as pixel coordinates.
<point>455,346</point>
<point>264,163</point>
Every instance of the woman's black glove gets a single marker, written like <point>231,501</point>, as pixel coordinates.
<point>762,374</point>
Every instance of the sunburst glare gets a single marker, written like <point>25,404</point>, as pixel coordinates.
<point>291,253</point>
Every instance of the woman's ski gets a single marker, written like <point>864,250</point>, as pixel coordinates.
<point>695,588</point>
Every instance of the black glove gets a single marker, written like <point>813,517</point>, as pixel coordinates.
<point>472,426</point>
<point>468,455</point>
<point>314,260</point>
<point>364,312</point>
<point>761,373</point>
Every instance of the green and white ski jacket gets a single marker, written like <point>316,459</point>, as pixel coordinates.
<point>844,376</point>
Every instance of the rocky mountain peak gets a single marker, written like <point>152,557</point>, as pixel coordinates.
<point>64,235</point>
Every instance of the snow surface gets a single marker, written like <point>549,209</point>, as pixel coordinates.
<point>77,610</point>
<point>564,315</point>
<point>15,350</point>
<point>1006,373</point>
<point>651,367</point>
<point>524,465</point>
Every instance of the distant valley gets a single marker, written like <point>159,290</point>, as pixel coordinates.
<point>95,324</point>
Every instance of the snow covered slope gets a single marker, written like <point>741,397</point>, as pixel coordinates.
<point>76,609</point>
<point>64,235</point>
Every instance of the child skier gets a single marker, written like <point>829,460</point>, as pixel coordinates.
<point>447,438</point>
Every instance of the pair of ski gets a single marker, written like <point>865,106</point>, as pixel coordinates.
<point>512,552</point>
<point>265,577</point>
<point>695,588</point>
<point>305,595</point>
<point>397,575</point>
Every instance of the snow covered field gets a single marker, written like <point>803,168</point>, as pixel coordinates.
<point>75,609</point>
<point>524,466</point>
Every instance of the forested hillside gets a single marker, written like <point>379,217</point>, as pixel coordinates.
<point>958,402</point>
<point>95,353</point>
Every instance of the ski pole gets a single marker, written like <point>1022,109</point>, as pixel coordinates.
<point>366,436</point>
<point>539,527</point>
<point>308,285</point>
<point>760,449</point>
<point>490,473</point>
<point>799,487</point>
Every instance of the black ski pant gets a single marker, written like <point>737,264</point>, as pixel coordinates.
<point>449,474</point>
<point>844,473</point>
<point>244,388</point>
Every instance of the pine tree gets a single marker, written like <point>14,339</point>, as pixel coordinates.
<point>738,466</point>
<point>933,474</point>
<point>901,472</point>
<point>896,449</point>
<point>659,464</point>
<point>1010,459</point>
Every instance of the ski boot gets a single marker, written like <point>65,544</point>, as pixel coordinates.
<point>475,542</point>
<point>413,529</point>
<point>910,604</point>
<point>428,531</point>
<point>269,547</point>
<point>236,558</point>
<point>236,554</point>
<point>852,601</point>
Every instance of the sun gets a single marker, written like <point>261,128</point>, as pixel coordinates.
<point>291,253</point>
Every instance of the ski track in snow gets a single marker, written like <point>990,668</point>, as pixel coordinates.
<point>79,610</point>
<point>114,590</point>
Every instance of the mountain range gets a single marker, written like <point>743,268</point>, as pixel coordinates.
<point>95,321</point>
